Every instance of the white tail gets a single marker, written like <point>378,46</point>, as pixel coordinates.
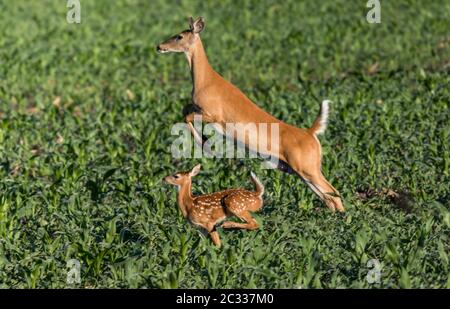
<point>320,124</point>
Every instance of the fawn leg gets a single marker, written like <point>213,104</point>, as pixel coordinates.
<point>213,233</point>
<point>250,223</point>
<point>215,238</point>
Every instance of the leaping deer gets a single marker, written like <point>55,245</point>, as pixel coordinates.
<point>207,210</point>
<point>220,102</point>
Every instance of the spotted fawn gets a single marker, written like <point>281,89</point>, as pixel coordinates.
<point>208,210</point>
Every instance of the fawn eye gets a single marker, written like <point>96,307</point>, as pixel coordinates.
<point>175,176</point>
<point>179,37</point>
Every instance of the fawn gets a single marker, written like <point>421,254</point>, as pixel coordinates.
<point>220,102</point>
<point>208,210</point>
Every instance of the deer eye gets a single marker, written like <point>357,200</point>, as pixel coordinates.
<point>176,176</point>
<point>179,37</point>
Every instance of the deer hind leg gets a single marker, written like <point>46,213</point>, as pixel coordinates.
<point>325,191</point>
<point>307,165</point>
<point>250,222</point>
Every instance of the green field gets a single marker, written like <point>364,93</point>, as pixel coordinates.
<point>85,117</point>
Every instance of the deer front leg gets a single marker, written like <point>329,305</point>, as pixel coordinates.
<point>203,117</point>
<point>210,227</point>
<point>215,238</point>
<point>189,119</point>
<point>200,140</point>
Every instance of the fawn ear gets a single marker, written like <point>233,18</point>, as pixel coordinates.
<point>198,25</point>
<point>195,170</point>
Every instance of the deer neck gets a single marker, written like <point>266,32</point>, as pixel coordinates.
<point>201,71</point>
<point>184,198</point>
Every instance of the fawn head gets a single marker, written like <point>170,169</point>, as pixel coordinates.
<point>181,178</point>
<point>184,40</point>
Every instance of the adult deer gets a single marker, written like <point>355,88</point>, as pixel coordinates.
<point>220,102</point>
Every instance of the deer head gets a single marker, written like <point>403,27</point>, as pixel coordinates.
<point>183,41</point>
<point>181,178</point>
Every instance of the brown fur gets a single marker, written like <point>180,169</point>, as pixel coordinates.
<point>207,210</point>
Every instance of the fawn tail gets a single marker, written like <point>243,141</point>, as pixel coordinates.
<point>320,124</point>
<point>258,184</point>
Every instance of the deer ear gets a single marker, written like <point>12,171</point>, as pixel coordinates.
<point>198,25</point>
<point>191,23</point>
<point>195,170</point>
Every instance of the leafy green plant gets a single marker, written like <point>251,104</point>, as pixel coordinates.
<point>85,132</point>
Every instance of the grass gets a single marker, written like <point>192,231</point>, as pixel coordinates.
<point>85,117</point>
